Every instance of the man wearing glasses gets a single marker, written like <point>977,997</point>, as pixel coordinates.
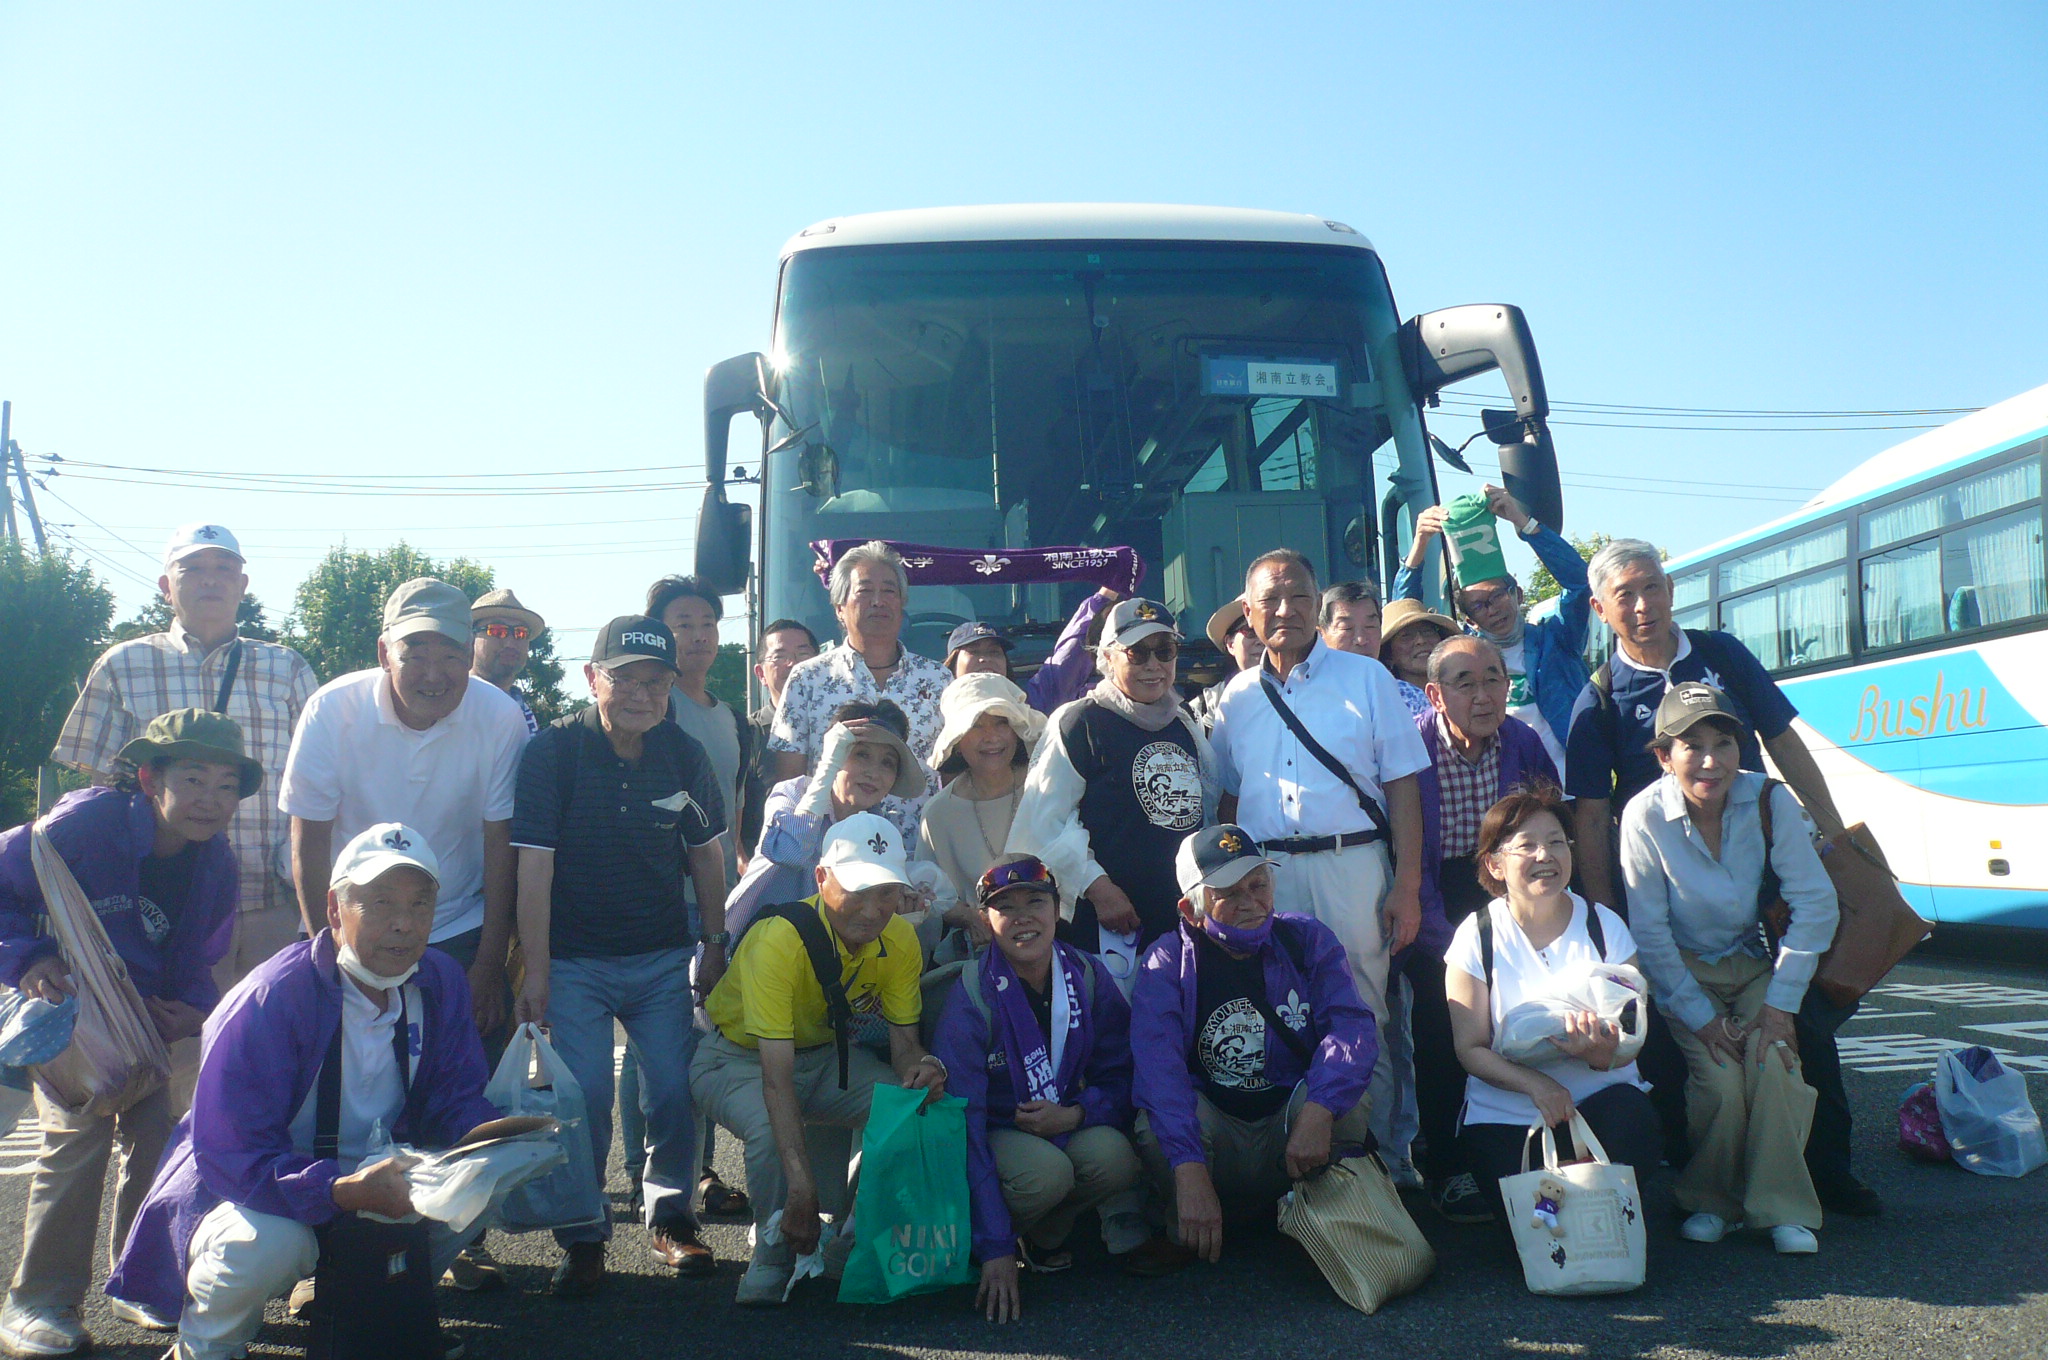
<point>617,809</point>
<point>503,633</point>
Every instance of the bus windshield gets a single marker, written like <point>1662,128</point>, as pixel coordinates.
<point>1200,402</point>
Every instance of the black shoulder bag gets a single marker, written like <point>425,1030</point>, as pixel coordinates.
<point>373,1291</point>
<point>1376,814</point>
<point>824,957</point>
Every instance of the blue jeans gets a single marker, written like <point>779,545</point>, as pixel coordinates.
<point>649,994</point>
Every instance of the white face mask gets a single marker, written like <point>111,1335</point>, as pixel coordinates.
<point>351,963</point>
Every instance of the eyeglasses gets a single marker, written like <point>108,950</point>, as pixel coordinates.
<point>652,688</point>
<point>1475,600</point>
<point>1029,871</point>
<point>1144,655</point>
<point>517,631</point>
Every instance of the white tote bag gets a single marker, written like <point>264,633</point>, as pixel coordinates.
<point>1579,1228</point>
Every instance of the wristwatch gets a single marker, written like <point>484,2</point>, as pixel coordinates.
<point>722,939</point>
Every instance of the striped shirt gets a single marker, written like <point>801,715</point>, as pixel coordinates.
<point>1469,789</point>
<point>145,677</point>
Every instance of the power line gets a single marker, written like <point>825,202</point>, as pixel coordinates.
<point>1756,413</point>
<point>305,477</point>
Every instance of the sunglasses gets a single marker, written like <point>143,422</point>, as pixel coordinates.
<point>517,631</point>
<point>1146,653</point>
<point>1027,872</point>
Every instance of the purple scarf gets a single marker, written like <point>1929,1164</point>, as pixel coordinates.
<point>1035,1073</point>
<point>928,565</point>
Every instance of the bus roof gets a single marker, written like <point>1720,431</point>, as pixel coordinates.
<point>1982,432</point>
<point>1074,222</point>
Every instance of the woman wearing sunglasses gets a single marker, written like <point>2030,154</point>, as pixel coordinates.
<point>1120,778</point>
<point>1037,1038</point>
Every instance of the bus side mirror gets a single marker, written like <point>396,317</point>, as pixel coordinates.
<point>725,530</point>
<point>1448,346</point>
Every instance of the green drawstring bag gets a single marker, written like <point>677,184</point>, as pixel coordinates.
<point>1474,542</point>
<point>911,1232</point>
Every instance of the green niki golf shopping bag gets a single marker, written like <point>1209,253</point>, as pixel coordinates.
<point>910,1224</point>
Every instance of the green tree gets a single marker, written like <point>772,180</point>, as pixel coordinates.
<point>1542,585</point>
<point>155,617</point>
<point>54,616</point>
<point>728,677</point>
<point>338,610</point>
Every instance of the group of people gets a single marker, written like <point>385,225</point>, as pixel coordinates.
<point>1173,956</point>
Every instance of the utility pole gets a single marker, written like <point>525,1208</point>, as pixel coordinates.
<point>7,495</point>
<point>11,452</point>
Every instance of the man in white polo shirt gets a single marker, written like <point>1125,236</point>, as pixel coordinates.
<point>1332,794</point>
<point>413,741</point>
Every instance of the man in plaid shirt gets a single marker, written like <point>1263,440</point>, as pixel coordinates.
<point>202,662</point>
<point>1478,754</point>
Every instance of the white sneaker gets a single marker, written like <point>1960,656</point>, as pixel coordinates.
<point>1706,1228</point>
<point>1791,1239</point>
<point>764,1284</point>
<point>139,1315</point>
<point>41,1331</point>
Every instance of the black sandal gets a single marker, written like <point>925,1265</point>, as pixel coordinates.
<point>722,1201</point>
<point>1043,1260</point>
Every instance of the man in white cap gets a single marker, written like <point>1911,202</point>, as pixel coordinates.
<point>779,1057</point>
<point>202,661</point>
<point>273,1156</point>
<point>412,740</point>
<point>504,632</point>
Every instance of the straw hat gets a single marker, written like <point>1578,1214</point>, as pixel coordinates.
<point>1223,620</point>
<point>1400,614</point>
<point>967,698</point>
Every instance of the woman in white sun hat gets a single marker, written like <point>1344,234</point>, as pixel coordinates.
<point>985,741</point>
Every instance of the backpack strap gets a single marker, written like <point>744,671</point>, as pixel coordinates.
<point>824,957</point>
<point>1595,931</point>
<point>1485,928</point>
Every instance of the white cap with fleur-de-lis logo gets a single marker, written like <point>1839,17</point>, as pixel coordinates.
<point>864,851</point>
<point>187,539</point>
<point>379,849</point>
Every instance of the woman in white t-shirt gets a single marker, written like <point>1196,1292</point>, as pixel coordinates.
<point>1539,928</point>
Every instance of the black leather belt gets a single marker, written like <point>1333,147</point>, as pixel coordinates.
<point>1309,845</point>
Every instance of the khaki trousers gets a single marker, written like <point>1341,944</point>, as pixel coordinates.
<point>259,933</point>
<point>1047,1187</point>
<point>1247,1157</point>
<point>63,1218</point>
<point>725,1081</point>
<point>1345,889</point>
<point>1748,1120</point>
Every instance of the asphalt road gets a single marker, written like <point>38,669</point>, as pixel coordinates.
<point>1957,1267</point>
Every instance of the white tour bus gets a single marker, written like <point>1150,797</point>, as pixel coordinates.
<point>1199,384</point>
<point>1903,611</point>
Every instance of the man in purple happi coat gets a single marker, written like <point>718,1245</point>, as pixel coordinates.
<point>1251,1046</point>
<point>230,1222</point>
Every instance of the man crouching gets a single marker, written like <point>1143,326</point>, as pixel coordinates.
<point>232,1220</point>
<point>1251,1045</point>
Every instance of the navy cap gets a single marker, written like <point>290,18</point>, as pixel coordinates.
<point>1216,857</point>
<point>633,637</point>
<point>974,630</point>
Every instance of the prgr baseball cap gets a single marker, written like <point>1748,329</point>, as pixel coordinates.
<point>633,637</point>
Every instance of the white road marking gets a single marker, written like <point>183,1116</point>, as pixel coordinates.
<point>1919,1053</point>
<point>1970,995</point>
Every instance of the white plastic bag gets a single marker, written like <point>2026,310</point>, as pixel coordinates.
<point>1604,989</point>
<point>1991,1126</point>
<point>460,1187</point>
<point>532,1079</point>
<point>1578,1228</point>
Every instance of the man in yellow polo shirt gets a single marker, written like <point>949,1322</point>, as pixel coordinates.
<point>781,1058</point>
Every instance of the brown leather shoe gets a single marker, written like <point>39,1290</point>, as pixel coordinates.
<point>1157,1256</point>
<point>581,1272</point>
<point>677,1245</point>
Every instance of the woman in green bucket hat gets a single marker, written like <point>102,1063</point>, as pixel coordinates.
<point>152,856</point>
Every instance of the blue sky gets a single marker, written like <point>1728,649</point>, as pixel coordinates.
<point>392,239</point>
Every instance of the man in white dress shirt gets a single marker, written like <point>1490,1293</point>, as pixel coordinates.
<point>1348,848</point>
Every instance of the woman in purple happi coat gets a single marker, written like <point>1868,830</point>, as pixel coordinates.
<point>152,857</point>
<point>1036,1037</point>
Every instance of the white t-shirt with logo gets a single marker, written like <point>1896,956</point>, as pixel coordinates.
<point>1522,972</point>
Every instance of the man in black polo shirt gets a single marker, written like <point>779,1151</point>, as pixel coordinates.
<point>614,808</point>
